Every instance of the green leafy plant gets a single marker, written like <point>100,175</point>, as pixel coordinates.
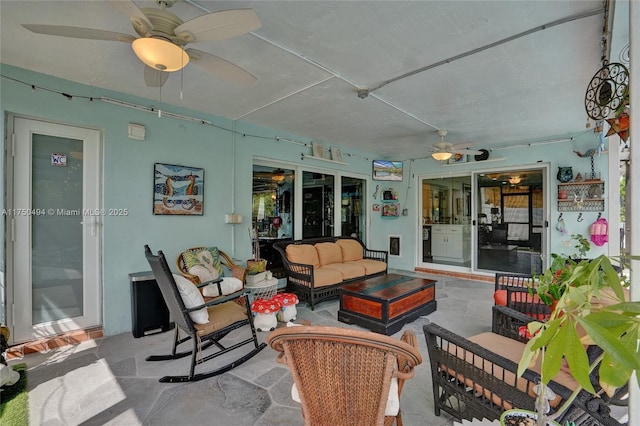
<point>590,309</point>
<point>581,244</point>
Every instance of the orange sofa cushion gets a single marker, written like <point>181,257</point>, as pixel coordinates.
<point>370,266</point>
<point>351,250</point>
<point>348,270</point>
<point>326,276</point>
<point>303,253</point>
<point>329,253</point>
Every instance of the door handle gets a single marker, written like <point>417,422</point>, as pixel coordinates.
<point>94,225</point>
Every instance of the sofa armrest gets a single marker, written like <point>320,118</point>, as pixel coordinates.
<point>380,255</point>
<point>503,280</point>
<point>507,321</point>
<point>300,272</point>
<point>522,300</point>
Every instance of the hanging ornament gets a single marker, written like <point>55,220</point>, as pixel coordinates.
<point>619,125</point>
<point>606,91</point>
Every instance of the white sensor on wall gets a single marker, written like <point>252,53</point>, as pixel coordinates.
<point>136,131</point>
<point>233,218</point>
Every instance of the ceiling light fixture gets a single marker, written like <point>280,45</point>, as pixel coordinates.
<point>515,180</point>
<point>441,156</point>
<point>160,54</point>
<point>278,175</point>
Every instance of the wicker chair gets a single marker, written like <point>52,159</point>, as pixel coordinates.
<point>513,290</point>
<point>473,381</point>
<point>224,317</point>
<point>343,376</point>
<point>236,270</point>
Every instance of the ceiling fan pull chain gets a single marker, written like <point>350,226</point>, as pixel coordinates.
<point>182,75</point>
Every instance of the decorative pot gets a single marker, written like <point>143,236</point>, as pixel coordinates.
<point>255,266</point>
<point>563,194</point>
<point>517,417</point>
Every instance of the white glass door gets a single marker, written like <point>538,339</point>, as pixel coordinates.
<point>55,242</point>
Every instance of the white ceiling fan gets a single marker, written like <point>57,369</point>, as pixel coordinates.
<point>442,150</point>
<point>164,35</point>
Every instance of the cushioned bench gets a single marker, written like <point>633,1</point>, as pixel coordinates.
<point>476,377</point>
<point>317,268</point>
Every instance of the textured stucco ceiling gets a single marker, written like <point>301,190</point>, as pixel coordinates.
<point>310,58</point>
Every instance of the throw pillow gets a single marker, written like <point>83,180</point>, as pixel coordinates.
<point>192,297</point>
<point>229,285</point>
<point>203,257</point>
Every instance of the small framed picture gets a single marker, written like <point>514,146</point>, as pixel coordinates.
<point>336,154</point>
<point>458,158</point>
<point>318,150</point>
<point>178,190</point>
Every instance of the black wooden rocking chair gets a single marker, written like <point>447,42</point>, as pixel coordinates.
<point>225,315</point>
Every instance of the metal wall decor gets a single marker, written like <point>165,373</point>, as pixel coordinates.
<point>606,91</point>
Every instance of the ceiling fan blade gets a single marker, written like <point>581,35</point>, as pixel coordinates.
<point>154,77</point>
<point>139,20</point>
<point>466,151</point>
<point>78,32</point>
<point>218,25</point>
<point>221,68</point>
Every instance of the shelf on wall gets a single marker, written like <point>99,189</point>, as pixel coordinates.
<point>587,205</point>
<point>313,157</point>
<point>469,162</point>
<point>390,208</point>
<point>583,196</point>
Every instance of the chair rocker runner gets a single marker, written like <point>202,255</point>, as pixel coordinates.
<point>225,315</point>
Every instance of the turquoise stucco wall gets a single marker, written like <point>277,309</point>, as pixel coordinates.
<point>227,158</point>
<point>128,175</point>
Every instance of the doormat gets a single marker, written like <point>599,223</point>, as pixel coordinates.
<point>14,402</point>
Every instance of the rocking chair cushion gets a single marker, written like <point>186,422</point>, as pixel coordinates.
<point>221,316</point>
<point>192,297</point>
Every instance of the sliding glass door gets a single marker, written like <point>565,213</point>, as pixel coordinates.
<point>446,221</point>
<point>511,212</point>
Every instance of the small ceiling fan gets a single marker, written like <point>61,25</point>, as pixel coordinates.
<point>271,179</point>
<point>442,150</point>
<point>164,35</point>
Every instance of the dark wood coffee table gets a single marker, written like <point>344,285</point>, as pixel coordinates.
<point>384,304</point>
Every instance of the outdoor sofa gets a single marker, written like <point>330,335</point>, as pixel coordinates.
<point>317,268</point>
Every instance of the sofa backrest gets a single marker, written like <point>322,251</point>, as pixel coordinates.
<point>351,249</point>
<point>303,253</point>
<point>328,253</point>
<point>327,250</point>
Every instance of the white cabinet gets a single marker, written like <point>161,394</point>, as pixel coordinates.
<point>451,243</point>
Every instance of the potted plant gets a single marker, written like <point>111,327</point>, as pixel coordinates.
<point>255,265</point>
<point>589,308</point>
<point>581,244</point>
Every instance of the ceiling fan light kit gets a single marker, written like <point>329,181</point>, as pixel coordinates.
<point>441,156</point>
<point>164,35</point>
<point>160,54</point>
<point>442,150</point>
